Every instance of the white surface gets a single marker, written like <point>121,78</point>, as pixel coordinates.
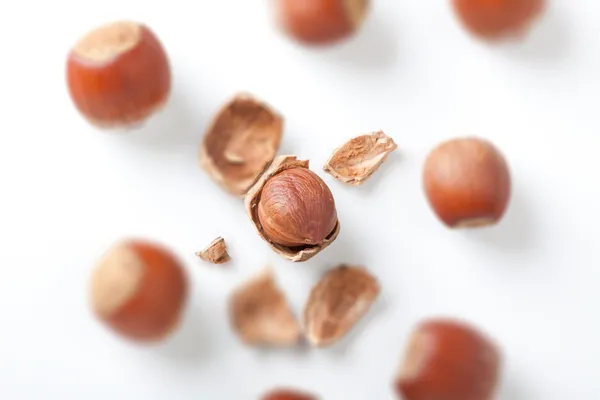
<point>71,191</point>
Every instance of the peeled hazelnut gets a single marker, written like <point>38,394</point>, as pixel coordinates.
<point>497,19</point>
<point>260,314</point>
<point>336,304</point>
<point>293,209</point>
<point>448,360</point>
<point>287,394</point>
<point>139,290</point>
<point>321,22</point>
<point>467,183</point>
<point>118,74</point>
<point>240,143</point>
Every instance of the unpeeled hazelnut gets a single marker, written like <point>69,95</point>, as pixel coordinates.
<point>139,290</point>
<point>448,360</point>
<point>467,182</point>
<point>118,74</point>
<point>296,208</point>
<point>320,22</point>
<point>287,394</point>
<point>498,18</point>
<point>293,209</point>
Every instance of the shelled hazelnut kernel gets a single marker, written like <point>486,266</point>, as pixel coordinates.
<point>139,289</point>
<point>321,22</point>
<point>118,74</point>
<point>497,19</point>
<point>467,182</point>
<point>448,360</point>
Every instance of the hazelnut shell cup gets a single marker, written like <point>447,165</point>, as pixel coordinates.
<point>295,254</point>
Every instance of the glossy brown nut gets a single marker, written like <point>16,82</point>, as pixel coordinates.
<point>320,22</point>
<point>118,74</point>
<point>448,360</point>
<point>139,290</point>
<point>296,208</point>
<point>497,18</point>
<point>287,394</point>
<point>467,182</point>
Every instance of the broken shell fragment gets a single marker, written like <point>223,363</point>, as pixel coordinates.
<point>288,213</point>
<point>359,158</point>
<point>336,304</point>
<point>287,394</point>
<point>240,143</point>
<point>215,252</point>
<point>260,314</point>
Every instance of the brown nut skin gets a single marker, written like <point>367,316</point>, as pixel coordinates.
<point>321,22</point>
<point>118,75</point>
<point>448,360</point>
<point>296,208</point>
<point>496,19</point>
<point>467,182</point>
<point>139,290</point>
<point>287,394</point>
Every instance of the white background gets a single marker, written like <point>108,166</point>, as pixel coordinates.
<point>69,191</point>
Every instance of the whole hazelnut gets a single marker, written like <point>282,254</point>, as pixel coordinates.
<point>296,208</point>
<point>139,290</point>
<point>118,74</point>
<point>321,22</point>
<point>448,360</point>
<point>467,182</point>
<point>498,18</point>
<point>287,394</point>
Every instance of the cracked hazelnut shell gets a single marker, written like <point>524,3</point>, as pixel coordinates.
<point>467,182</point>
<point>260,314</point>
<point>118,74</point>
<point>337,303</point>
<point>287,394</point>
<point>448,360</point>
<point>240,143</point>
<point>497,19</point>
<point>297,210</point>
<point>139,290</point>
<point>320,22</point>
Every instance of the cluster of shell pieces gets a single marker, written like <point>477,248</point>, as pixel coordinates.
<point>239,152</point>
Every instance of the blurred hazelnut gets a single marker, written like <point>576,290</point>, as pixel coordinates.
<point>448,360</point>
<point>293,209</point>
<point>118,74</point>
<point>499,18</point>
<point>467,182</point>
<point>321,22</point>
<point>287,394</point>
<point>139,290</point>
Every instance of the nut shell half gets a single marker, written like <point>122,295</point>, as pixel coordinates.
<point>240,143</point>
<point>297,253</point>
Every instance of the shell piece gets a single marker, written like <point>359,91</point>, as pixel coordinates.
<point>340,299</point>
<point>240,143</point>
<point>215,252</point>
<point>288,394</point>
<point>359,158</point>
<point>296,254</point>
<point>260,314</point>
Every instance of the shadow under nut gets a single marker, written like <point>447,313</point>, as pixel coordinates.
<point>296,208</point>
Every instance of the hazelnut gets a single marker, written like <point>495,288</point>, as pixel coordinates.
<point>139,290</point>
<point>321,22</point>
<point>118,74</point>
<point>287,394</point>
<point>448,360</point>
<point>467,182</point>
<point>240,143</point>
<point>293,209</point>
<point>493,20</point>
